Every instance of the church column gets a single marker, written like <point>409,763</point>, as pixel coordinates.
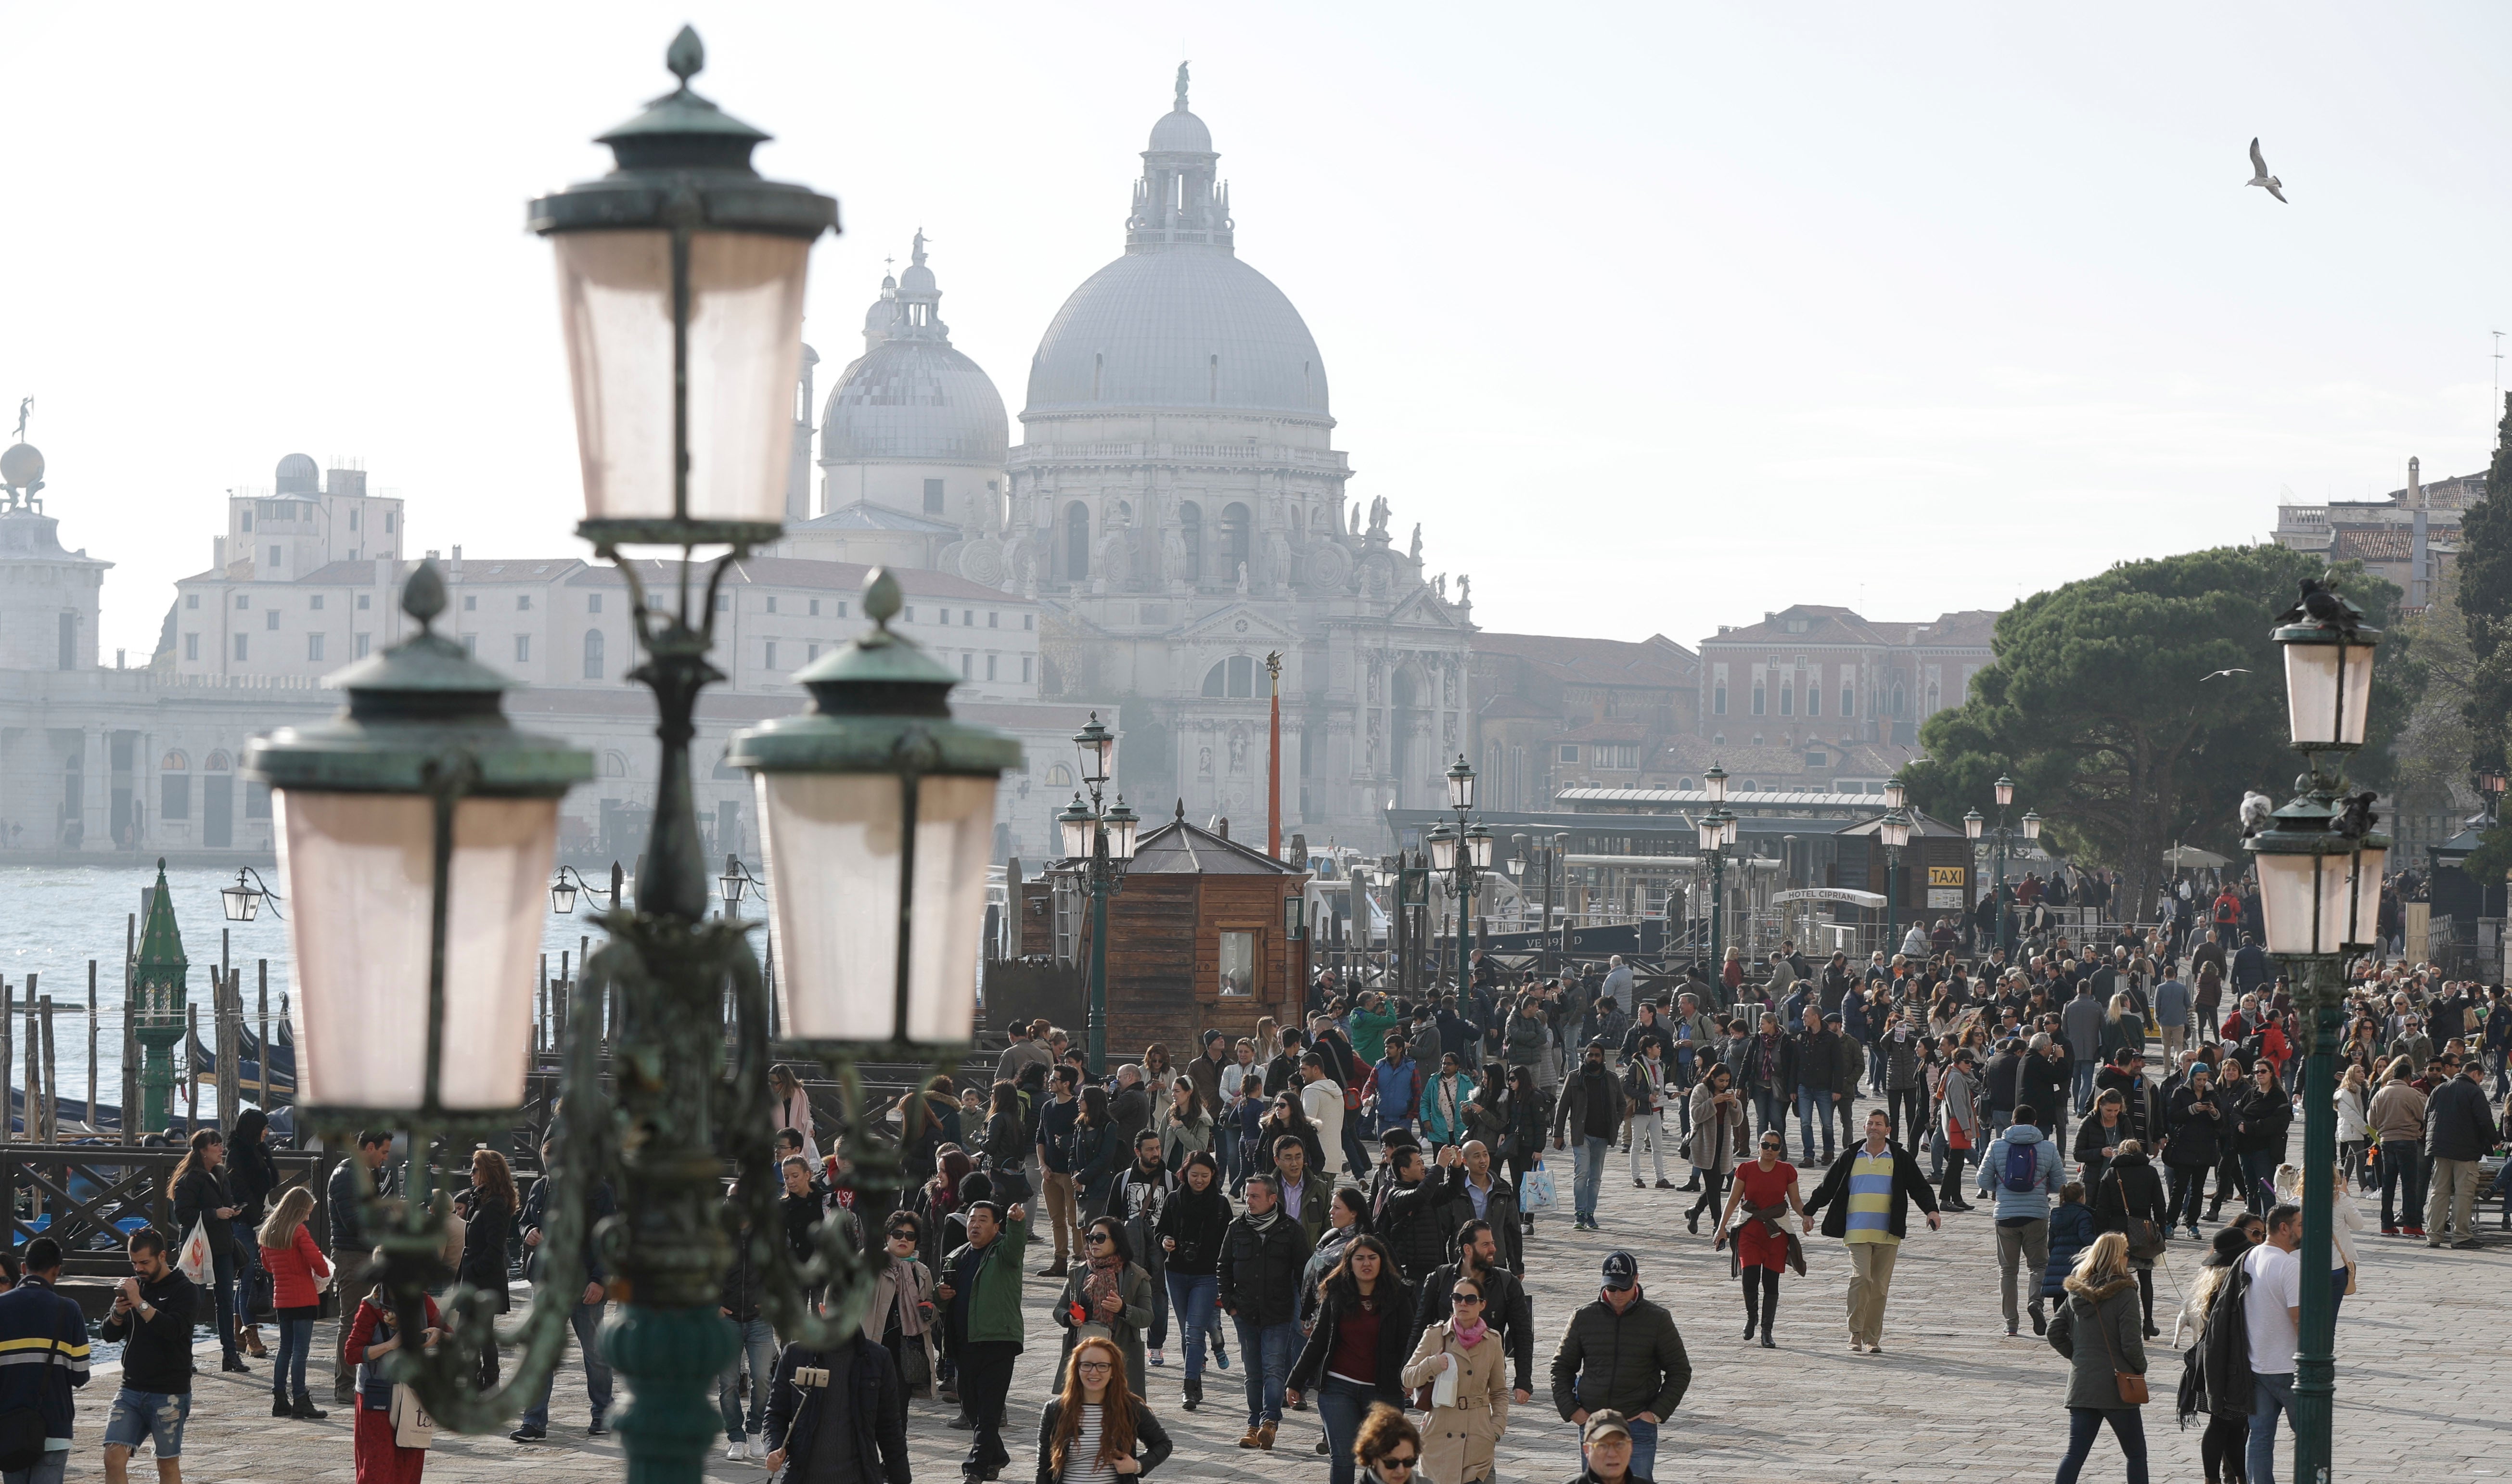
<point>96,784</point>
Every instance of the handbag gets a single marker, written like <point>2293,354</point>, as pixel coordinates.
<point>2144,1241</point>
<point>411,1427</point>
<point>2132,1386</point>
<point>1540,1192</point>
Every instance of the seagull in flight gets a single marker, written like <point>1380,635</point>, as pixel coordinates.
<point>2220,673</point>
<point>2259,172</point>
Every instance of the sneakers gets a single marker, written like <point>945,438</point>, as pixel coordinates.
<point>528,1433</point>
<point>2413,1230</point>
<point>2389,1231</point>
<point>597,1429</point>
<point>1667,1185</point>
<point>1219,1356</point>
<point>1158,1357</point>
<point>736,1453</point>
<point>2040,1321</point>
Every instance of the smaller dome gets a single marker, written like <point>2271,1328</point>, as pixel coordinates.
<point>918,279</point>
<point>298,474</point>
<point>1181,133</point>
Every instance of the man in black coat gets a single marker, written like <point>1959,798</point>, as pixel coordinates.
<point>842,1404</point>
<point>1411,1215</point>
<point>2459,1130</point>
<point>1506,1306</point>
<point>2042,1079</point>
<point>1868,1192</point>
<point>2125,1075</point>
<point>586,1319</point>
<point>1262,1253</point>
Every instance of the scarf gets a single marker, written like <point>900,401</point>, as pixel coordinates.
<point>1101,1282</point>
<point>1260,1224</point>
<point>909,1301</point>
<point>1470,1335</point>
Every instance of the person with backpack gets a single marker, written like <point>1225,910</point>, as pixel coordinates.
<point>2024,1170</point>
<point>36,1408</point>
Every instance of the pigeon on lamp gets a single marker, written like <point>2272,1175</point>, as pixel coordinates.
<point>2259,175</point>
<point>2320,604</point>
<point>2256,808</point>
<point>2356,819</point>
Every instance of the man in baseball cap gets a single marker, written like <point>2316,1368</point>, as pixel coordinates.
<point>1622,1364</point>
<point>1605,1445</point>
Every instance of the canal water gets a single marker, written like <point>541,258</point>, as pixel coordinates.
<point>55,919</point>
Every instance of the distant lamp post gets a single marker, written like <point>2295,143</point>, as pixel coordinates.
<point>1459,854</point>
<point>2319,864</point>
<point>242,901</point>
<point>1716,829</point>
<point>1895,831</point>
<point>1975,829</point>
<point>1896,794</point>
<point>2491,783</point>
<point>1098,845</point>
<point>736,884</point>
<point>567,886</point>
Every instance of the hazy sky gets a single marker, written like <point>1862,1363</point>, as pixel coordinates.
<point>1656,317</point>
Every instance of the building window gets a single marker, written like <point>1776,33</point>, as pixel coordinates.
<point>388,523</point>
<point>243,602</point>
<point>770,649</point>
<point>723,603</point>
<point>593,641</point>
<point>1718,700</point>
<point>1847,702</point>
<point>815,608</point>
<point>771,602</point>
<point>1787,700</point>
<point>257,799</point>
<point>1234,678</point>
<point>247,521</point>
<point>363,642</point>
<point>989,667</point>
<point>810,652</point>
<point>314,647</point>
<point>910,612</point>
<point>1237,964</point>
<point>842,607</point>
<point>967,666</point>
<point>365,601</point>
<point>522,647</point>
<point>1025,664</point>
<point>191,647</point>
<point>523,603</point>
<point>240,644</point>
<point>274,557</point>
<point>968,619</point>
<point>174,796</point>
<point>943,618</point>
<point>1758,700</point>
<point>471,644</point>
<point>1896,702</point>
<point>1029,621</point>
<point>270,619</point>
<point>315,603</point>
<point>1569,752</point>
<point>593,602</point>
<point>470,603</point>
<point>1813,700</point>
<point>994,620</point>
<point>933,496</point>
<point>191,600</point>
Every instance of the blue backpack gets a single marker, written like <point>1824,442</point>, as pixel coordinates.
<point>2023,1171</point>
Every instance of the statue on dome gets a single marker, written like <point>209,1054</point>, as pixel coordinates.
<point>1416,553</point>
<point>1181,88</point>
<point>24,403</point>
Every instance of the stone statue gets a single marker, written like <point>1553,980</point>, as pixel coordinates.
<point>1242,580</point>
<point>1465,590</point>
<point>1172,553</point>
<point>1237,750</point>
<point>1203,761</point>
<point>1439,587</point>
<point>1416,553</point>
<point>1378,516</point>
<point>1181,88</point>
<point>1356,518</point>
<point>23,405</point>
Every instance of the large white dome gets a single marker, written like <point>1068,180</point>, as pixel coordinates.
<point>910,397</point>
<point>1183,327</point>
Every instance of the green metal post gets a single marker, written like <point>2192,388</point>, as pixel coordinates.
<point>1465,907</point>
<point>1099,883</point>
<point>2315,1360</point>
<point>1999,896</point>
<point>1719,924</point>
<point>1891,901</point>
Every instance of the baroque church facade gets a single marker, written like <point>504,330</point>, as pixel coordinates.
<point>1179,512</point>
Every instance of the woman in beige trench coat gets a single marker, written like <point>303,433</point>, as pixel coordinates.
<point>1458,1440</point>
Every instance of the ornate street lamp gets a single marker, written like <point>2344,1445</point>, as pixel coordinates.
<point>1098,843</point>
<point>1714,782</point>
<point>735,883</point>
<point>2320,865</point>
<point>1971,823</point>
<point>680,278</point>
<point>242,901</point>
<point>567,885</point>
<point>1894,830</point>
<point>1896,794</point>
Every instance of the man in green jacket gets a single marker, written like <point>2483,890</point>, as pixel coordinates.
<point>980,1287</point>
<point>1371,1023</point>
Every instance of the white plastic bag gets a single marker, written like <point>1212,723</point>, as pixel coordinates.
<point>195,1261</point>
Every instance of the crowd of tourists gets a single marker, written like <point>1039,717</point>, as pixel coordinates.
<point>1342,1212</point>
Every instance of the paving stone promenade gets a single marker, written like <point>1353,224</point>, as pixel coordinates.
<point>2421,1350</point>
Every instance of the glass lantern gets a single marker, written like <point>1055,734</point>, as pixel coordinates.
<point>884,806</point>
<point>1442,842</point>
<point>415,831</point>
<point>1895,793</point>
<point>1096,747</point>
<point>2327,684</point>
<point>2031,824</point>
<point>2005,788</point>
<point>1971,823</point>
<point>1895,831</point>
<point>1461,784</point>
<point>1479,847</point>
<point>1716,781</point>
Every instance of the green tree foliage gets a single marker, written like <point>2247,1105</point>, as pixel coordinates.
<point>2485,573</point>
<point>2098,704</point>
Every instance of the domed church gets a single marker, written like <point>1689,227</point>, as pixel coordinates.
<point>1179,507</point>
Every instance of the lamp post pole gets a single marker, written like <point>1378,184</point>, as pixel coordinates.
<point>2320,863</point>
<point>1098,841</point>
<point>1459,854</point>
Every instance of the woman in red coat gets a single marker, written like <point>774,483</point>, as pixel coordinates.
<point>295,1263</point>
<point>381,1459</point>
<point>1762,1187</point>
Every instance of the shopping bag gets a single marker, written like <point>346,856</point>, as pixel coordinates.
<point>195,1261</point>
<point>411,1427</point>
<point>1540,1194</point>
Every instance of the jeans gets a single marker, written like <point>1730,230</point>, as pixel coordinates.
<point>2085,1424</point>
<point>248,1264</point>
<point>1648,1132</point>
<point>223,1265</point>
<point>587,1321</point>
<point>287,1371</point>
<point>1193,1296</point>
<point>759,1346</point>
<point>2258,1173</point>
<point>1341,1405</point>
<point>2084,1088</point>
<point>1148,1256</point>
<point>1814,1106</point>
<point>1226,1153</point>
<point>1355,1154</point>
<point>154,1417</point>
<point>2403,1164</point>
<point>2271,1392</point>
<point>1771,1106</point>
<point>1906,1108</point>
<point>1590,1162</point>
<point>2336,1291</point>
<point>49,1469</point>
<point>1643,1448</point>
<point>1266,1351</point>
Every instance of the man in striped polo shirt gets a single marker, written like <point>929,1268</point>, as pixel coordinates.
<point>1868,1192</point>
